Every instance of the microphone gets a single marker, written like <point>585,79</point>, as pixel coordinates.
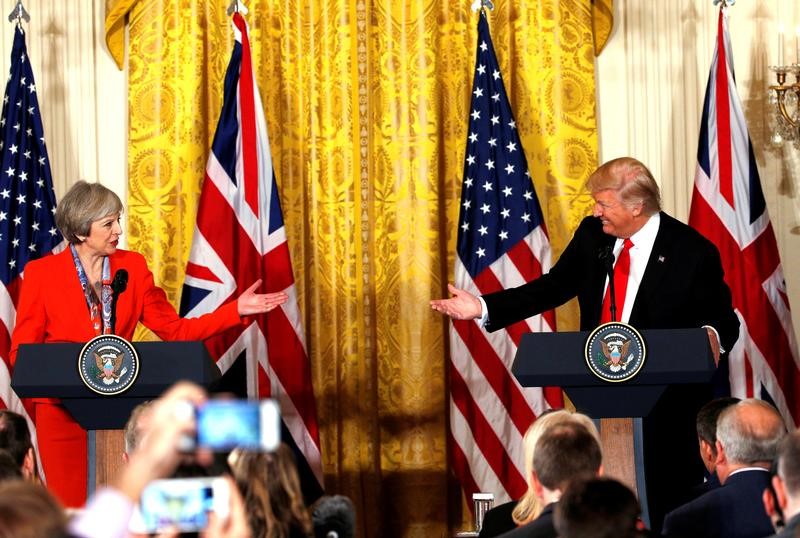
<point>606,254</point>
<point>118,285</point>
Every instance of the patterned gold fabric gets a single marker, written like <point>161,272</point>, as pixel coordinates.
<point>366,104</point>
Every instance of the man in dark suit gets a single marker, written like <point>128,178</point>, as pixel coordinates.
<point>706,426</point>
<point>564,453</point>
<point>675,281</point>
<point>784,503</point>
<point>748,434</point>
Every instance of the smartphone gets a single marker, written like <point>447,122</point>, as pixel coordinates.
<point>183,503</point>
<point>223,425</point>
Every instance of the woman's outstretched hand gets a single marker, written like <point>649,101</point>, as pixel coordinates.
<point>251,303</point>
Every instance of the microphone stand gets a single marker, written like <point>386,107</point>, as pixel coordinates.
<point>608,259</point>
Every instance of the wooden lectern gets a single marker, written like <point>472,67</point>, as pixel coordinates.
<point>674,356</point>
<point>51,371</point>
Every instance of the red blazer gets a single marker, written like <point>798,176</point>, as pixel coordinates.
<point>52,307</point>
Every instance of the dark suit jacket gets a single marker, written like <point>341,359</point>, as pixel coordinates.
<point>682,286</point>
<point>498,520</point>
<point>733,510</point>
<point>541,527</point>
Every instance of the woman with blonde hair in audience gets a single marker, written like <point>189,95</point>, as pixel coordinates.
<point>513,514</point>
<point>270,486</point>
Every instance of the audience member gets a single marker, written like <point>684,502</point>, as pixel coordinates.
<point>15,437</point>
<point>785,504</point>
<point>334,516</point>
<point>157,455</point>
<point>9,469</point>
<point>597,508</point>
<point>706,426</point>
<point>270,487</point>
<point>133,429</point>
<point>748,434</point>
<point>510,515</point>
<point>564,452</point>
<point>28,510</point>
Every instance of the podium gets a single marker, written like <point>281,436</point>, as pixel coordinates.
<point>51,371</point>
<point>674,356</point>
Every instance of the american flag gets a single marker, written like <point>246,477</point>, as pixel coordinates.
<point>240,238</point>
<point>728,207</point>
<point>502,243</point>
<point>27,202</point>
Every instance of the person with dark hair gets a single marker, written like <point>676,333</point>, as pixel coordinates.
<point>782,502</point>
<point>15,438</point>
<point>334,516</point>
<point>564,452</point>
<point>270,487</point>
<point>67,297</point>
<point>671,277</point>
<point>748,434</point>
<point>9,470</point>
<point>597,508</point>
<point>706,425</point>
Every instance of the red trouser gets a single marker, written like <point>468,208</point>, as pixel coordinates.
<point>62,447</point>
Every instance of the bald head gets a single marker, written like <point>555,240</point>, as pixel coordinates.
<point>749,432</point>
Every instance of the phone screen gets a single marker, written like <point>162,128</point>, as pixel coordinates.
<point>182,503</point>
<point>227,424</point>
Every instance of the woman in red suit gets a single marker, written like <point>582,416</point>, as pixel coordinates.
<point>66,297</point>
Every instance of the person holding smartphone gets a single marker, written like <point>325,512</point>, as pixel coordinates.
<point>156,456</point>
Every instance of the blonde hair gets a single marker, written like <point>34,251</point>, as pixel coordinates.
<point>83,204</point>
<point>632,180</point>
<point>529,507</point>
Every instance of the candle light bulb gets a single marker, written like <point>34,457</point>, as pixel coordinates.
<point>780,44</point>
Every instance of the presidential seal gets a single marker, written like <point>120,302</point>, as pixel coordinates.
<point>108,364</point>
<point>615,352</point>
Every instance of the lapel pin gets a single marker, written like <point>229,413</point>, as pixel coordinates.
<point>661,259</point>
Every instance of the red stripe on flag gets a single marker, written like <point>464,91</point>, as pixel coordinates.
<point>204,273</point>
<point>462,470</point>
<point>496,373</point>
<point>248,120</point>
<point>490,446</point>
<point>526,263</point>
<point>723,119</point>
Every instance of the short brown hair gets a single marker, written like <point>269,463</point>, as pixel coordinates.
<point>83,204</point>
<point>28,510</point>
<point>631,179</point>
<point>597,508</point>
<point>565,452</point>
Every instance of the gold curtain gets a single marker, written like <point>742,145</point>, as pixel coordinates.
<point>366,104</point>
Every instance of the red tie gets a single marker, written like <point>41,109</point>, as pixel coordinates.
<point>622,269</point>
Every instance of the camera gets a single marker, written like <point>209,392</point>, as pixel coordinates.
<point>183,503</point>
<point>223,425</point>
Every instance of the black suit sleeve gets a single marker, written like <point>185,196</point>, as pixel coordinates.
<point>565,280</point>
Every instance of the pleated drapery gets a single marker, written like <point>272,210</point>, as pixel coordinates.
<point>367,106</point>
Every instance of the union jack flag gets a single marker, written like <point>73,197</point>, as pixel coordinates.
<point>240,238</point>
<point>728,207</point>
<point>502,243</point>
<point>27,203</point>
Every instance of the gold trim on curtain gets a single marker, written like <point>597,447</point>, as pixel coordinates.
<point>367,104</point>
